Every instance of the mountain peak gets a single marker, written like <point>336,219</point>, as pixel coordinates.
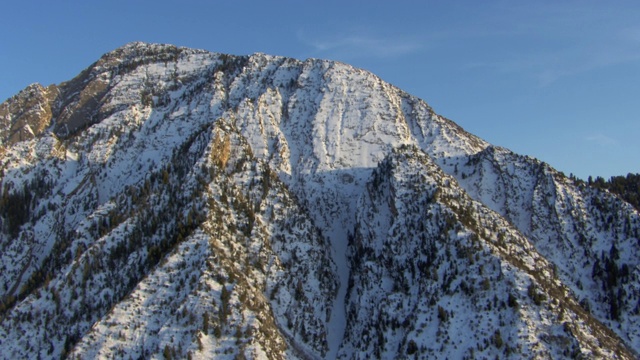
<point>184,203</point>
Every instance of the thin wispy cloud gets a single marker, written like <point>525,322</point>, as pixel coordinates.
<point>357,44</point>
<point>546,66</point>
<point>583,58</point>
<point>548,43</point>
<point>548,71</point>
<point>602,140</point>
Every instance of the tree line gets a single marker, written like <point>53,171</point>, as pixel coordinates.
<point>626,187</point>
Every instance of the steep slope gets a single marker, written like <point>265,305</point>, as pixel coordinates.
<point>591,237</point>
<point>166,252</point>
<point>241,284</point>
<point>177,202</point>
<point>103,208</point>
<point>439,275</point>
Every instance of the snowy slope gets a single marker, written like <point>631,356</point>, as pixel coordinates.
<point>439,275</point>
<point>171,202</point>
<point>591,237</point>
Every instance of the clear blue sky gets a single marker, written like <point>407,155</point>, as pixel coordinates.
<point>557,80</point>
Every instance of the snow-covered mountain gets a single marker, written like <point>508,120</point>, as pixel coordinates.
<point>177,203</point>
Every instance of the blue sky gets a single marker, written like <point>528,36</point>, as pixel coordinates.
<point>557,80</point>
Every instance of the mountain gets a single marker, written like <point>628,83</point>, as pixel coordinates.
<point>177,203</point>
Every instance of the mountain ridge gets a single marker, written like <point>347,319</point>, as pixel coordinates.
<point>260,174</point>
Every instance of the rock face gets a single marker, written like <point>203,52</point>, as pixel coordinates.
<point>27,115</point>
<point>171,202</point>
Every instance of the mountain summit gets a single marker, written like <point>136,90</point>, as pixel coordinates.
<point>177,203</point>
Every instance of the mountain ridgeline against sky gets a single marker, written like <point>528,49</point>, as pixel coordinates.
<point>177,203</point>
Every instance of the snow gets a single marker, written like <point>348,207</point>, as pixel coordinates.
<point>283,160</point>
